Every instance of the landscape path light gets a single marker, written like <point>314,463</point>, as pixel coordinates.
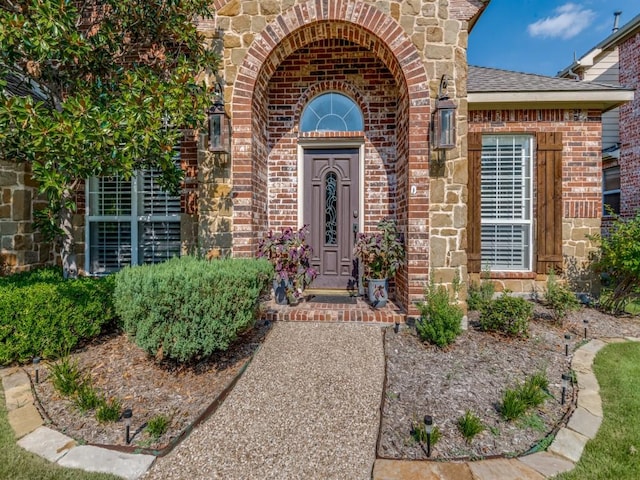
<point>567,339</point>
<point>428,427</point>
<point>585,322</point>
<point>36,368</point>
<point>126,415</point>
<point>565,384</point>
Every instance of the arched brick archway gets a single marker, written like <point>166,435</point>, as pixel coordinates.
<point>363,25</point>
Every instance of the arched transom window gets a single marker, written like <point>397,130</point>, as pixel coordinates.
<point>332,112</point>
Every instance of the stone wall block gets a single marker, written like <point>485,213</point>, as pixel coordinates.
<point>21,205</point>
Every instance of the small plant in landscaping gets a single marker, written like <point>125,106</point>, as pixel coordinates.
<point>470,425</point>
<point>480,293</point>
<point>507,314</point>
<point>532,421</point>
<point>440,319</point>
<point>530,394</point>
<point>512,405</point>
<point>109,411</point>
<point>87,397</point>
<point>66,376</point>
<point>157,426</point>
<point>559,298</point>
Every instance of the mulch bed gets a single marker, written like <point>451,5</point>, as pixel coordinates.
<point>472,374</point>
<point>421,379</point>
<point>118,368</point>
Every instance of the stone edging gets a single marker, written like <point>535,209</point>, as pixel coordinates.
<point>561,456</point>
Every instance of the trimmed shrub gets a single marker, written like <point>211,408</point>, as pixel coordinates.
<point>108,411</point>
<point>559,298</point>
<point>507,314</point>
<point>41,314</point>
<point>440,320</point>
<point>157,426</point>
<point>479,294</point>
<point>188,308</point>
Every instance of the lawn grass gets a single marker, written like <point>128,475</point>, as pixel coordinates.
<point>615,452</point>
<point>18,464</point>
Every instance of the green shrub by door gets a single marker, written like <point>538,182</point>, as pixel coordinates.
<point>188,308</point>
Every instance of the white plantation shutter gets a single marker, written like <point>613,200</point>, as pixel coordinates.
<point>506,202</point>
<point>130,222</point>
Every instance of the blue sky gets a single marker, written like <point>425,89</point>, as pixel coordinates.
<point>541,36</point>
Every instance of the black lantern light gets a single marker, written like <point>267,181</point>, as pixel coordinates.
<point>444,119</point>
<point>126,415</point>
<point>219,125</point>
<point>36,368</point>
<point>567,339</point>
<point>565,385</point>
<point>428,426</point>
<point>586,323</point>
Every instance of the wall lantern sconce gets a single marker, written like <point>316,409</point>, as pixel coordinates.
<point>443,124</point>
<point>219,125</point>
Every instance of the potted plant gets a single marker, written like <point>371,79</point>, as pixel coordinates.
<point>381,254</point>
<point>290,255</point>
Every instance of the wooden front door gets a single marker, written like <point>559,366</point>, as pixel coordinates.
<point>331,210</point>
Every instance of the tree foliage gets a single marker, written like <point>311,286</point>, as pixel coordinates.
<point>619,262</point>
<point>92,88</point>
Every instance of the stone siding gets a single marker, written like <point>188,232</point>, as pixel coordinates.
<point>21,248</point>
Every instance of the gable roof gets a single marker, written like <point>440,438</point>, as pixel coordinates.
<point>612,41</point>
<point>492,87</point>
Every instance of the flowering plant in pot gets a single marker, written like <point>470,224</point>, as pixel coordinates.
<point>381,254</point>
<point>290,255</point>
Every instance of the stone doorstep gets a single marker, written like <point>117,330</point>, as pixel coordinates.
<point>547,463</point>
<point>95,459</point>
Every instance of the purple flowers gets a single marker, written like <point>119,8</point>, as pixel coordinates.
<point>290,255</point>
<point>381,253</point>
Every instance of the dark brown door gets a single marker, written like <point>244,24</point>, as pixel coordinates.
<point>331,210</point>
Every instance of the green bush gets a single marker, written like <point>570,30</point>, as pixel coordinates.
<point>479,294</point>
<point>470,425</point>
<point>619,260</point>
<point>512,406</point>
<point>157,426</point>
<point>559,298</point>
<point>440,319</point>
<point>532,393</point>
<point>87,397</point>
<point>507,314</point>
<point>41,314</point>
<point>188,308</point>
<point>66,376</point>
<point>109,411</point>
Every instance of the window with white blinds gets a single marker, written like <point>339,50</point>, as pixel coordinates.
<point>506,202</point>
<point>130,222</point>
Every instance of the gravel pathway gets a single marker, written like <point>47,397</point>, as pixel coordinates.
<point>307,407</point>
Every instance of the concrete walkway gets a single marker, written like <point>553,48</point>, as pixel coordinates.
<point>308,406</point>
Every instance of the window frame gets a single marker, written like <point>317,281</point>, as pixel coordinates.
<point>527,196</point>
<point>613,191</point>
<point>134,218</point>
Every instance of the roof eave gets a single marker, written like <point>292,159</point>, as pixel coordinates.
<point>601,100</point>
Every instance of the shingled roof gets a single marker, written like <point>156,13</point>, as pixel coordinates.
<point>505,88</point>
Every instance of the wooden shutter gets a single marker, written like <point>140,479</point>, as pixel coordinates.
<point>474,161</point>
<point>549,202</point>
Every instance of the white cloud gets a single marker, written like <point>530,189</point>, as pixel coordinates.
<point>569,20</point>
